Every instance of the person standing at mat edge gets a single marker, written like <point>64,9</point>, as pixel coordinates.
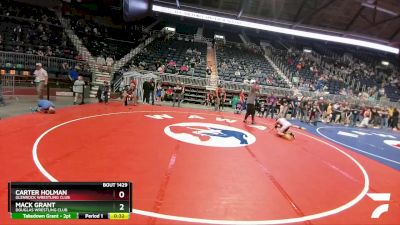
<point>251,102</point>
<point>41,79</point>
<point>148,91</point>
<point>177,96</point>
<point>78,87</point>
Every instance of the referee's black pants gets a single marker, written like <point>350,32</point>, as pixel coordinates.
<point>251,110</point>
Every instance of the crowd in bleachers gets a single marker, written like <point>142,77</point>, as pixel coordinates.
<point>325,70</point>
<point>106,41</point>
<point>170,55</point>
<point>32,30</point>
<point>239,64</point>
<point>37,32</point>
<point>314,111</point>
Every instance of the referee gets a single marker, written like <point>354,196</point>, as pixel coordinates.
<point>251,102</point>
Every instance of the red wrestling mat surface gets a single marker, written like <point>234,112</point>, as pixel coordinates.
<point>191,166</point>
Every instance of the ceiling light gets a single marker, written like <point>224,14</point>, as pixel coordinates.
<point>271,28</point>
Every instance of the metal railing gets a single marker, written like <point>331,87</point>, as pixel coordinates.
<point>7,85</point>
<point>120,63</point>
<point>31,60</point>
<point>236,87</point>
<point>197,82</point>
<point>163,77</point>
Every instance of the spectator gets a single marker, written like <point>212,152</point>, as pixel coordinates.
<point>217,98</point>
<point>237,73</point>
<point>172,63</point>
<point>179,89</point>
<point>209,99</point>
<point>129,94</point>
<point>109,61</point>
<point>283,107</point>
<point>355,111</point>
<point>395,119</point>
<point>1,95</point>
<point>41,79</point>
<point>270,105</point>
<point>73,74</point>
<point>78,89</point>
<point>148,89</point>
<point>100,61</point>
<point>159,93</point>
<point>241,97</point>
<point>102,92</point>
<point>142,65</point>
<point>222,98</point>
<point>366,118</point>
<point>40,52</point>
<point>336,113</point>
<point>384,117</point>
<point>184,69</point>
<point>161,69</point>
<point>168,94</point>
<point>381,91</point>
<point>49,52</point>
<point>224,66</point>
<point>208,70</point>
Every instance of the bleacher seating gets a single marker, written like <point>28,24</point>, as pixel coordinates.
<point>30,34</point>
<point>104,40</point>
<point>33,30</point>
<point>331,64</point>
<point>250,65</point>
<point>163,51</point>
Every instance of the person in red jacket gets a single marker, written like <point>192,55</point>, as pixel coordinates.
<point>241,96</point>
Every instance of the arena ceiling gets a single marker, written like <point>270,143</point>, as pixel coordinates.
<point>372,19</point>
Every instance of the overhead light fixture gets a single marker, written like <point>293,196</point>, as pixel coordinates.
<point>219,37</point>
<point>380,9</point>
<point>385,63</point>
<point>271,28</point>
<point>170,29</point>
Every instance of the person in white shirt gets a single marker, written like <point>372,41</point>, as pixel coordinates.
<point>41,79</point>
<point>282,126</point>
<point>109,61</point>
<point>100,61</point>
<point>78,89</point>
<point>237,73</point>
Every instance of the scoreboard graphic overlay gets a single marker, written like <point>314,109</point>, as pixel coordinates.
<point>70,200</point>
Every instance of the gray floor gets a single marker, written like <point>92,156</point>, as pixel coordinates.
<point>18,105</point>
<point>22,104</point>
